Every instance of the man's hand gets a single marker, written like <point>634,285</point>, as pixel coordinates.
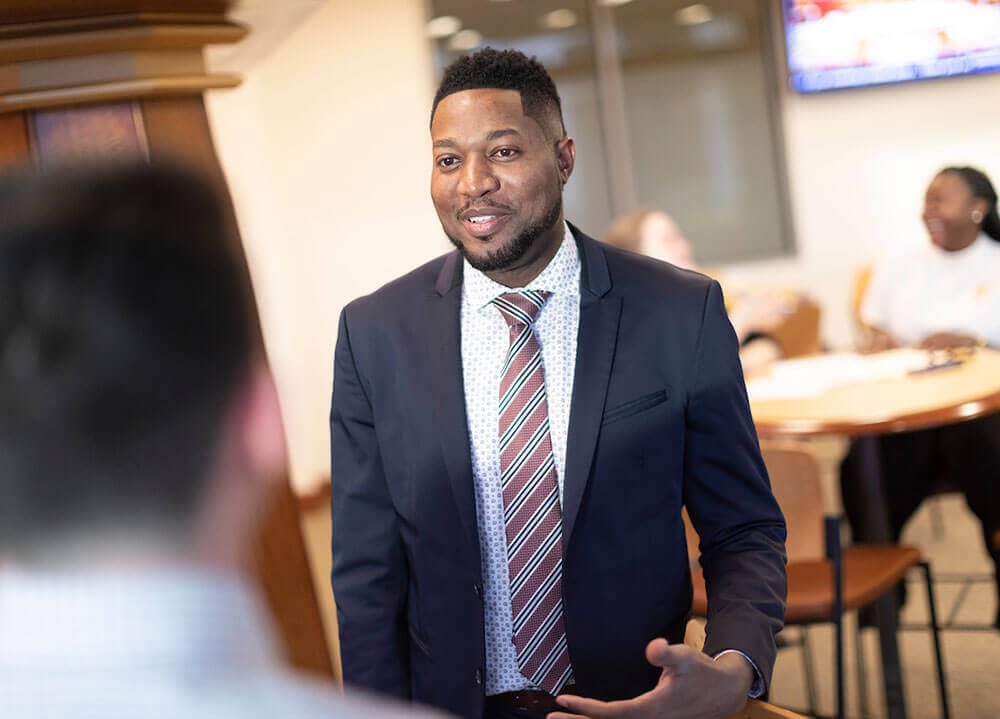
<point>691,686</point>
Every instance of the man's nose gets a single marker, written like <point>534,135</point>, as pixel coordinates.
<point>477,178</point>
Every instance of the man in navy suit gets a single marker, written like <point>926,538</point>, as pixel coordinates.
<point>515,428</point>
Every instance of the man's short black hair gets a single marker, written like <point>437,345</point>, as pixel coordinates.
<point>506,70</point>
<point>126,323</point>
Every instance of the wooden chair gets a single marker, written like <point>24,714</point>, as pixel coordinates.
<point>825,581</point>
<point>756,709</point>
<point>941,486</point>
<point>798,334</point>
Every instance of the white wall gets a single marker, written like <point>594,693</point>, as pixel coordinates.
<point>326,149</point>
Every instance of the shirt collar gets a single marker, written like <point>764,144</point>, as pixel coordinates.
<point>561,275</point>
<point>971,254</point>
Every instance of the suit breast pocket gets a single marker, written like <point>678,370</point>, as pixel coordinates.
<point>634,406</point>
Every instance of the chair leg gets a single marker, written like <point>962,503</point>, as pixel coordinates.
<point>859,650</point>
<point>936,517</point>
<point>808,673</point>
<point>838,628</point>
<point>833,552</point>
<point>936,635</point>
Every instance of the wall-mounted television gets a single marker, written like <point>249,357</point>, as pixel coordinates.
<point>834,44</point>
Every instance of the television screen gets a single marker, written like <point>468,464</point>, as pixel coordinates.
<point>833,44</point>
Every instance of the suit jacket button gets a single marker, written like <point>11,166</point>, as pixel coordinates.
<point>478,589</point>
<point>479,676</point>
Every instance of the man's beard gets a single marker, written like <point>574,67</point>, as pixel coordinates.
<point>504,257</point>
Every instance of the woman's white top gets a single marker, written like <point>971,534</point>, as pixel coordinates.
<point>915,295</point>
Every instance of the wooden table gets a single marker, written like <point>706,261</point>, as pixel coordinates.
<point>866,410</point>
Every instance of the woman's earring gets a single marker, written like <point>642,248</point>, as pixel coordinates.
<point>977,216</point>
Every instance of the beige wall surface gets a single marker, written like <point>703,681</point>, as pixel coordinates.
<point>327,151</point>
<point>325,147</point>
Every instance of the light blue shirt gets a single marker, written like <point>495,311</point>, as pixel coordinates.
<point>154,643</point>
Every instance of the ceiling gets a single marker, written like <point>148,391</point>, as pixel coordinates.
<point>646,30</point>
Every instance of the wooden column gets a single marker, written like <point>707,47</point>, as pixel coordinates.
<point>107,78</point>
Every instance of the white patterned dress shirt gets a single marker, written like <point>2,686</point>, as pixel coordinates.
<point>485,340</point>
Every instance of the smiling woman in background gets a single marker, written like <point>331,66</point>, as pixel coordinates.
<point>944,296</point>
<point>947,294</point>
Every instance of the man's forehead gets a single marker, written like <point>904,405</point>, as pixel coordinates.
<point>480,100</point>
<point>482,110</point>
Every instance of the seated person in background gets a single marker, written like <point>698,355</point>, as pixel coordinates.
<point>946,295</point>
<point>753,314</point>
<point>140,430</point>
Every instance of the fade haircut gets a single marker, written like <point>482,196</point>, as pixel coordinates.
<point>126,324</point>
<point>507,70</point>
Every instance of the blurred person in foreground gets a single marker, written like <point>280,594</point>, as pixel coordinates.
<point>139,432</point>
<point>943,296</point>
<point>753,314</point>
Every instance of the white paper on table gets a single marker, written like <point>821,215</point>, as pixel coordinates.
<point>814,376</point>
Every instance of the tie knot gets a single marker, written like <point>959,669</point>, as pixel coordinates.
<point>521,307</point>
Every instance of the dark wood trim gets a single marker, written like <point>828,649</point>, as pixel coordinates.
<point>316,499</point>
<point>99,131</point>
<point>42,10</point>
<point>115,91</point>
<point>181,36</point>
<point>179,131</point>
<point>15,148</point>
<point>282,567</point>
<point>108,22</point>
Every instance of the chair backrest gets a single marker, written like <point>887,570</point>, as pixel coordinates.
<point>798,334</point>
<point>797,485</point>
<point>756,709</point>
<point>692,539</point>
<point>861,280</point>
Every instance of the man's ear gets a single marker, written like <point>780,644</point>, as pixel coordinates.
<point>565,157</point>
<point>262,431</point>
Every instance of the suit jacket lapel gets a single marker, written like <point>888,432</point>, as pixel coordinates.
<point>444,334</point>
<point>595,351</point>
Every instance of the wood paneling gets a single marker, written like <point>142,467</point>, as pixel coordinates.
<point>26,47</point>
<point>177,129</point>
<point>36,10</point>
<point>14,147</point>
<point>115,91</point>
<point>283,568</point>
<point>98,132</point>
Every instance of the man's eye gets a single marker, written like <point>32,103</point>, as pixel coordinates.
<point>505,153</point>
<point>448,161</point>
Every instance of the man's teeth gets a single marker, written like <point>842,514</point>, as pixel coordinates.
<point>481,218</point>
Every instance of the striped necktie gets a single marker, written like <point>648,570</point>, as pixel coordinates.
<point>532,513</point>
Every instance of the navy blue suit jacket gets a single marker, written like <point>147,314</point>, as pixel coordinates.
<point>659,419</point>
